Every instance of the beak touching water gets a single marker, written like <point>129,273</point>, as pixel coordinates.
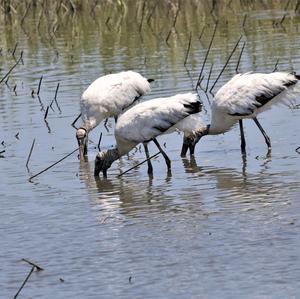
<point>81,136</point>
<point>189,143</point>
<point>100,164</point>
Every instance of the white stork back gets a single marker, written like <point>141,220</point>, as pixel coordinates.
<point>245,96</point>
<point>109,96</point>
<point>147,120</point>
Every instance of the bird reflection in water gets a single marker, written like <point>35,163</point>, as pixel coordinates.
<point>124,195</point>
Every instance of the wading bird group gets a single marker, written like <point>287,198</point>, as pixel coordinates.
<point>116,95</point>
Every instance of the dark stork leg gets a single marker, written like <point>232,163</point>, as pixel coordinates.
<point>150,168</point>
<point>267,139</point>
<point>116,119</point>
<point>168,161</point>
<point>243,141</point>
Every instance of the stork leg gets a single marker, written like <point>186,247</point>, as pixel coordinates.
<point>168,161</point>
<point>267,139</point>
<point>116,119</point>
<point>150,168</point>
<point>243,141</point>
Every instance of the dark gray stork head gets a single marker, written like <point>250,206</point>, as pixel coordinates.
<point>104,160</point>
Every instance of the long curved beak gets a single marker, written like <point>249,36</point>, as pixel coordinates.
<point>82,148</point>
<point>81,152</point>
<point>184,149</point>
<point>189,144</point>
<point>98,169</point>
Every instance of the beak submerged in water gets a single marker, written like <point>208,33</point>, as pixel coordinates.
<point>100,164</point>
<point>189,143</point>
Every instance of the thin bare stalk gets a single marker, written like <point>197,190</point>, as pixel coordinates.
<point>228,59</point>
<point>276,66</point>
<point>207,52</point>
<point>239,60</point>
<point>17,62</point>
<point>26,12</point>
<point>244,20</point>
<point>14,50</point>
<point>210,71</point>
<point>202,31</point>
<point>24,282</point>
<point>33,264</point>
<point>47,168</point>
<point>143,14</point>
<point>56,91</point>
<point>75,120</point>
<point>135,166</point>
<point>39,87</point>
<point>46,113</point>
<point>188,49</point>
<point>100,138</point>
<point>31,149</point>
<point>152,11</point>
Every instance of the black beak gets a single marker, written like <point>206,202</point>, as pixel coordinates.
<point>96,170</point>
<point>82,148</point>
<point>184,149</point>
<point>189,144</point>
<point>81,152</point>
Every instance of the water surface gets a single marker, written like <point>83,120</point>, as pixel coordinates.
<point>217,227</point>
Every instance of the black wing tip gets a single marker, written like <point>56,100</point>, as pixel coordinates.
<point>193,107</point>
<point>150,80</point>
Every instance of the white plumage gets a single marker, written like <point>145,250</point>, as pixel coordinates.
<point>147,120</point>
<point>245,96</point>
<point>108,96</point>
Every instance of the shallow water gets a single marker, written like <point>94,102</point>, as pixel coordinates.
<point>217,227</point>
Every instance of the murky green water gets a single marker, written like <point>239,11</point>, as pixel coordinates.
<point>217,227</point>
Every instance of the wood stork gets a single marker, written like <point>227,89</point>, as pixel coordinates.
<point>245,96</point>
<point>145,121</point>
<point>108,96</point>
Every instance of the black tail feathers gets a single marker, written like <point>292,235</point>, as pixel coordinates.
<point>193,107</point>
<point>296,76</point>
<point>150,80</point>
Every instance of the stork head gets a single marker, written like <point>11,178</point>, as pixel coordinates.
<point>189,142</point>
<point>104,160</point>
<point>82,139</point>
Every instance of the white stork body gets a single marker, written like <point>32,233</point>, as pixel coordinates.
<point>145,121</point>
<point>109,96</point>
<point>245,96</point>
